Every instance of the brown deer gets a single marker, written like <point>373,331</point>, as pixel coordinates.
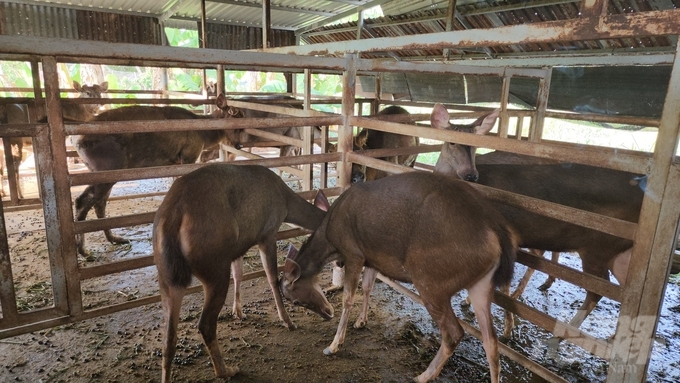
<point>604,191</point>
<point>18,114</point>
<point>136,150</point>
<point>209,219</point>
<point>431,230</point>
<point>212,152</point>
<point>499,157</point>
<point>481,126</point>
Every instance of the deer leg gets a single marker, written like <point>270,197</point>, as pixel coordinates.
<point>439,307</point>
<point>508,316</point>
<point>100,211</point>
<point>17,157</point>
<point>338,278</point>
<point>268,256</point>
<point>84,203</point>
<point>352,272</point>
<point>481,294</point>
<point>550,280</point>
<point>367,284</point>
<point>589,302</point>
<point>237,272</point>
<point>215,291</point>
<point>171,302</point>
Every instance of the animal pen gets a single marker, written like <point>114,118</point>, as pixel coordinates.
<point>519,131</point>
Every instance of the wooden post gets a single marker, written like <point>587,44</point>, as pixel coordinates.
<point>55,190</point>
<point>377,98</point>
<point>536,127</point>
<point>307,137</point>
<point>648,269</point>
<point>505,96</point>
<point>345,131</point>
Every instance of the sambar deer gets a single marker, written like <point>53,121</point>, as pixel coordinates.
<point>211,153</point>
<point>18,114</point>
<point>209,219</point>
<point>607,192</point>
<point>368,139</point>
<point>137,150</point>
<point>431,230</point>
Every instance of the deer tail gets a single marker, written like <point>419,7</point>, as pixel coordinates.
<point>175,265</point>
<point>508,242</point>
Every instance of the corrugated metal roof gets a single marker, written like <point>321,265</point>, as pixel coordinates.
<point>404,17</point>
<point>285,14</point>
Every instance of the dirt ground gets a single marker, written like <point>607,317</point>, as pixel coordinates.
<point>398,343</point>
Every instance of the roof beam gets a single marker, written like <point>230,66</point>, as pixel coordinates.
<point>274,7</point>
<point>653,23</point>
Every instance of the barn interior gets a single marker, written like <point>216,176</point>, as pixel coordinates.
<point>609,66</point>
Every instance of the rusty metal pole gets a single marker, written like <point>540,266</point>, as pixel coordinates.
<point>450,16</point>
<point>266,24</point>
<point>345,132</point>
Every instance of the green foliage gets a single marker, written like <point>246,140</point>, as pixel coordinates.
<point>182,37</point>
<point>15,74</point>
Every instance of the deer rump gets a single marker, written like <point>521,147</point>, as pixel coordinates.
<point>136,150</point>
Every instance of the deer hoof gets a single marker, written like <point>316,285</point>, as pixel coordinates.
<point>332,289</point>
<point>239,315</point>
<point>227,372</point>
<point>360,324</point>
<point>328,351</point>
<point>290,326</point>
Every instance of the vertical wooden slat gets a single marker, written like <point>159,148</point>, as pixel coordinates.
<point>377,98</point>
<point>307,137</point>
<point>7,294</point>
<point>39,104</point>
<point>648,269</point>
<point>505,96</point>
<point>50,150</point>
<point>220,79</point>
<point>345,131</point>
<point>536,130</point>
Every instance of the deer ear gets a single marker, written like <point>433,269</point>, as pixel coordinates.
<point>104,86</point>
<point>361,138</point>
<point>221,101</point>
<point>440,117</point>
<point>484,124</point>
<point>321,201</point>
<point>76,86</point>
<point>291,270</point>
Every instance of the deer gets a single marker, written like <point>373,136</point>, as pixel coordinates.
<point>604,191</point>
<point>500,157</point>
<point>480,126</point>
<point>209,219</point>
<point>212,152</point>
<point>136,150</point>
<point>433,231</point>
<point>18,114</point>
